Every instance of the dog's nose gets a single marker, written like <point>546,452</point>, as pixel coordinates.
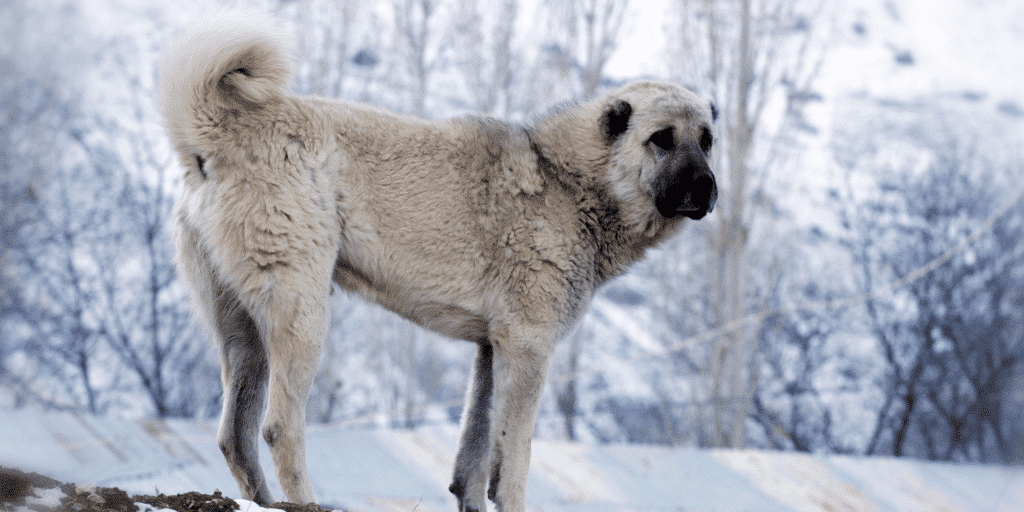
<point>700,199</point>
<point>686,188</point>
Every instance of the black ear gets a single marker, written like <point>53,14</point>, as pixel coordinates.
<point>714,112</point>
<point>615,120</point>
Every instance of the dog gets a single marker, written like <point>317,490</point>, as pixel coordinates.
<point>475,228</point>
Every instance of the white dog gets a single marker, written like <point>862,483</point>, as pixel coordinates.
<point>474,228</point>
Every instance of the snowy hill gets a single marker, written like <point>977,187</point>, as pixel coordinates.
<point>409,470</point>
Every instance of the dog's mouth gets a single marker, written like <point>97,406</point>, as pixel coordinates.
<point>691,212</point>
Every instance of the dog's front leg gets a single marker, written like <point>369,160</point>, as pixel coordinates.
<point>520,367</point>
<point>472,462</point>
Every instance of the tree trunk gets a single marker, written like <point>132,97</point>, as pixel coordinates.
<point>732,387</point>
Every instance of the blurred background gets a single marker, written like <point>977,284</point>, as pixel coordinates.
<point>858,290</point>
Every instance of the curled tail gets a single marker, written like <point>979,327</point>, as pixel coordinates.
<point>224,62</point>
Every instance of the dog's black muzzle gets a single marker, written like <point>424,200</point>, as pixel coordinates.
<point>685,187</point>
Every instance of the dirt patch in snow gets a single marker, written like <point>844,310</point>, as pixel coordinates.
<point>20,491</point>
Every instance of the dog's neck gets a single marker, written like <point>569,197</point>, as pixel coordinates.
<point>616,247</point>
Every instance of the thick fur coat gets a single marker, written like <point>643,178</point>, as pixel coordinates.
<point>475,228</point>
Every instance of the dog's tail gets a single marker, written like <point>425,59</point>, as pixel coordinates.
<point>226,62</point>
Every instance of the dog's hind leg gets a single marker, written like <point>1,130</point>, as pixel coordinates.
<point>294,319</point>
<point>471,463</point>
<point>243,362</point>
<point>244,374</point>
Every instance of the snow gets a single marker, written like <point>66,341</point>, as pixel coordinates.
<point>145,507</point>
<point>249,506</point>
<point>372,470</point>
<point>44,498</point>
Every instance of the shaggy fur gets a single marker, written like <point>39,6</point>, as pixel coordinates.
<point>474,228</point>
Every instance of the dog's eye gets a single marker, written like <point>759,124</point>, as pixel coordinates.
<point>664,139</point>
<point>705,140</point>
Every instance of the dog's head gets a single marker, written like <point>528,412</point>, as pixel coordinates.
<point>659,139</point>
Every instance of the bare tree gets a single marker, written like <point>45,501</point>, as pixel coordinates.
<point>791,406</point>
<point>749,57</point>
<point>53,300</point>
<point>98,304</point>
<point>486,55</point>
<point>421,46</point>
<point>951,337</point>
<point>38,98</point>
<point>325,33</point>
<point>146,318</point>
<point>599,23</point>
<point>579,37</point>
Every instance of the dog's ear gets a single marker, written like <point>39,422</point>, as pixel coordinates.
<point>615,119</point>
<point>714,111</point>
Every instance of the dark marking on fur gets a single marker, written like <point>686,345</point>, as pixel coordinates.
<point>349,277</point>
<point>457,488</point>
<point>714,111</point>
<point>282,212</point>
<point>450,320</point>
<point>492,486</point>
<point>246,372</point>
<point>271,434</point>
<point>705,140</point>
<point>201,163</point>
<point>664,139</point>
<point>615,120</point>
<point>270,266</point>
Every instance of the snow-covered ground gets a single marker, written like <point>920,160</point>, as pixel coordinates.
<point>389,470</point>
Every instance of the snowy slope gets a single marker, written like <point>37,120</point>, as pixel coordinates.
<point>410,470</point>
